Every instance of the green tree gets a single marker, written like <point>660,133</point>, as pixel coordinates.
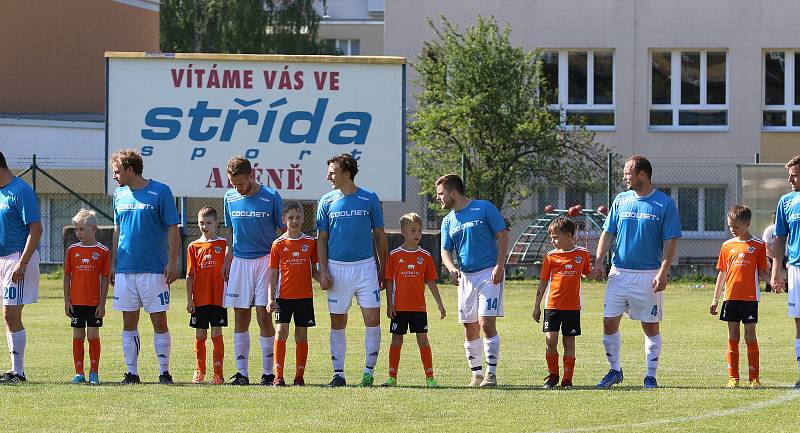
<point>241,26</point>
<point>485,100</point>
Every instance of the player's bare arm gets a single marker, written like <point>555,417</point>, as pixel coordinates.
<point>717,291</point>
<point>189,296</point>
<point>382,246</point>
<point>67,290</point>
<point>777,270</point>
<point>34,235</point>
<point>273,282</point>
<point>173,252</point>
<point>447,261</point>
<point>112,258</point>
<point>603,245</point>
<point>537,305</point>
<point>499,271</point>
<point>326,281</point>
<point>660,281</point>
<point>100,311</point>
<point>226,268</point>
<point>389,296</point>
<point>438,297</point>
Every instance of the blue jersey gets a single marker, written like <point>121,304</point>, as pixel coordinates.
<point>18,208</point>
<point>144,216</point>
<point>349,221</point>
<point>787,224</point>
<point>254,220</point>
<point>472,233</point>
<point>641,225</point>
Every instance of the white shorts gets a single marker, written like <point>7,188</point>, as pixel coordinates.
<point>353,278</point>
<point>794,291</point>
<point>135,291</point>
<point>27,290</point>
<point>478,296</point>
<point>631,292</point>
<point>247,283</point>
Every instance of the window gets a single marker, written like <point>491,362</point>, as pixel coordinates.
<point>702,209</point>
<point>689,90</point>
<point>781,95</point>
<point>348,47</point>
<point>581,87</point>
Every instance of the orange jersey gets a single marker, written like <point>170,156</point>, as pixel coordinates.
<point>204,263</point>
<point>294,259</point>
<point>562,270</point>
<point>410,270</point>
<point>84,266</point>
<point>741,261</point>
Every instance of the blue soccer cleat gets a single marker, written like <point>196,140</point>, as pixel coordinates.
<point>650,382</point>
<point>613,377</point>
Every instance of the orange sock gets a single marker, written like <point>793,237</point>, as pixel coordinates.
<point>94,354</point>
<point>218,354</point>
<point>77,355</point>
<point>394,359</point>
<point>733,359</point>
<point>569,367</point>
<point>552,363</point>
<point>300,356</point>
<point>200,352</point>
<point>426,356</point>
<point>280,357</point>
<point>752,359</point>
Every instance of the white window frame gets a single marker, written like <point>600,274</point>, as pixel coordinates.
<point>346,46</point>
<point>563,105</point>
<point>701,232</point>
<point>788,91</point>
<point>675,91</point>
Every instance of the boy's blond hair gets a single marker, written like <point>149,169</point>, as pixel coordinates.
<point>85,216</point>
<point>410,218</point>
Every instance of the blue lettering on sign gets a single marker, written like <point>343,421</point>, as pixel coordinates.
<point>164,123</point>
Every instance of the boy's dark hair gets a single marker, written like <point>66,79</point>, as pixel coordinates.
<point>640,163</point>
<point>239,165</point>
<point>741,213</point>
<point>562,225</point>
<point>208,211</point>
<point>346,162</point>
<point>3,163</point>
<point>292,205</point>
<point>451,182</point>
<point>128,158</point>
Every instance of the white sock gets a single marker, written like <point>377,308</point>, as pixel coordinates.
<point>16,347</point>
<point>652,350</point>
<point>267,353</point>
<point>797,351</point>
<point>241,351</point>
<point>338,349</point>
<point>613,344</point>
<point>372,345</point>
<point>491,349</point>
<point>163,345</point>
<point>474,358</point>
<point>130,350</point>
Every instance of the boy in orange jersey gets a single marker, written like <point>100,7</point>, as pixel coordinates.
<point>294,255</point>
<point>86,269</point>
<point>742,260</point>
<point>560,281</point>
<point>205,286</point>
<point>408,269</point>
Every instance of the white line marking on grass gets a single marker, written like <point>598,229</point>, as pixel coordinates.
<point>789,396</point>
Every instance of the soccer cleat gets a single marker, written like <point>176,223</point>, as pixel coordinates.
<point>239,379</point>
<point>217,380</point>
<point>566,384</point>
<point>78,379</point>
<point>650,382</point>
<point>94,378</point>
<point>198,377</point>
<point>431,383</point>
<point>550,381</point>
<point>611,378</point>
<point>165,379</point>
<point>755,383</point>
<point>476,381</point>
<point>131,379</point>
<point>278,381</point>
<point>298,381</point>
<point>267,379</point>
<point>489,381</point>
<point>391,381</point>
<point>366,380</point>
<point>337,381</point>
<point>733,382</point>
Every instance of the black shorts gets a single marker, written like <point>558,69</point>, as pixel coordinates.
<point>416,321</point>
<point>739,311</point>
<point>208,315</point>
<point>83,316</point>
<point>301,309</point>
<point>568,321</point>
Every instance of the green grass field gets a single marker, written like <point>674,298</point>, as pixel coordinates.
<point>691,375</point>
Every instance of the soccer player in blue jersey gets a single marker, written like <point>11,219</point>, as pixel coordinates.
<point>643,228</point>
<point>144,259</point>
<point>475,231</point>
<point>20,231</point>
<point>253,211</point>
<point>349,219</point>
<point>787,238</point>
